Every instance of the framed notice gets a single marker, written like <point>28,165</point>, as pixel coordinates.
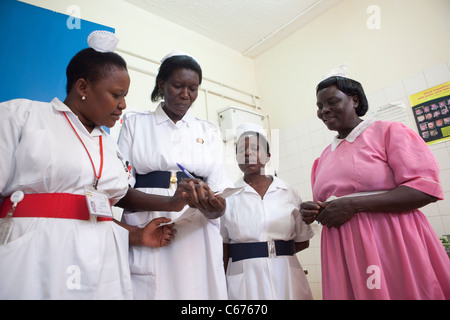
<point>431,109</point>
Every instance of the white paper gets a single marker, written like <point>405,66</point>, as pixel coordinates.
<point>192,213</point>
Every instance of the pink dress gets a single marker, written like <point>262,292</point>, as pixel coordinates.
<point>380,255</point>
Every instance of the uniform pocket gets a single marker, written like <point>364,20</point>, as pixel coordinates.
<point>18,261</point>
<point>237,289</point>
<point>144,286</point>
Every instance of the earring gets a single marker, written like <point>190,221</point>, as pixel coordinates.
<point>83,98</point>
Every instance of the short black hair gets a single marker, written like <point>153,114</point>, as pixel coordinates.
<point>350,87</point>
<point>169,66</point>
<point>261,139</point>
<point>92,65</point>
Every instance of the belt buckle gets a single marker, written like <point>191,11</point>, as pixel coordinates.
<point>272,249</point>
<point>173,180</point>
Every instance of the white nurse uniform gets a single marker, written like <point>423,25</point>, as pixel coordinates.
<point>53,258</point>
<point>191,267</point>
<point>250,219</point>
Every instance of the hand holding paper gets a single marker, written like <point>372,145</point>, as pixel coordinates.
<point>192,212</point>
<point>197,194</point>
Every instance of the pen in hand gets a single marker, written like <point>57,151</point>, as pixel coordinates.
<point>185,171</point>
<point>190,174</point>
<point>210,208</point>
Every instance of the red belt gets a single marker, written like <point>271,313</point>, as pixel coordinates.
<point>50,205</point>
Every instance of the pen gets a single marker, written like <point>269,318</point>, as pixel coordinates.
<point>185,171</point>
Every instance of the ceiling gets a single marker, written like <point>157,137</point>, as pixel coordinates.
<point>247,26</point>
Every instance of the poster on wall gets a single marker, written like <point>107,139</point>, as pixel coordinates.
<point>431,109</point>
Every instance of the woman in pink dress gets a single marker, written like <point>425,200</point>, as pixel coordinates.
<point>367,188</point>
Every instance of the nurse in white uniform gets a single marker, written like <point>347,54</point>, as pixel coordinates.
<point>52,152</point>
<point>262,229</point>
<point>154,142</point>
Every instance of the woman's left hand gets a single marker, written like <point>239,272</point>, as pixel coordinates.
<point>198,195</point>
<point>154,236</point>
<point>336,212</point>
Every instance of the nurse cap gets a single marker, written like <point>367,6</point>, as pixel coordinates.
<point>103,41</point>
<point>177,53</point>
<point>339,71</point>
<point>249,127</point>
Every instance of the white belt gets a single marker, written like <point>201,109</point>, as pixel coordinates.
<point>358,194</point>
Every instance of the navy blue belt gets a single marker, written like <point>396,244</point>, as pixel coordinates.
<point>250,250</point>
<point>159,179</point>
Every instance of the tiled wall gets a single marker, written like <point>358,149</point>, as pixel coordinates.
<point>301,144</point>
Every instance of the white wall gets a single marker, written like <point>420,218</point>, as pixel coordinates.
<point>413,36</point>
<point>153,37</point>
<point>229,77</point>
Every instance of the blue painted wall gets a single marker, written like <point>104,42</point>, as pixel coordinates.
<point>36,47</point>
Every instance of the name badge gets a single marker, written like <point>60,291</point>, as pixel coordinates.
<point>97,202</point>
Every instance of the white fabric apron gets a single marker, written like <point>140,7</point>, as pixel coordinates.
<point>75,259</point>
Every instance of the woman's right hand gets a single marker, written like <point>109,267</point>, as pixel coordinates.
<point>197,194</point>
<point>309,211</point>
<point>178,200</point>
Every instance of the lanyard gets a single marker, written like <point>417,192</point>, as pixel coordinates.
<point>96,178</point>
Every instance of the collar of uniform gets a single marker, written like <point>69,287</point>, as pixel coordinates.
<point>161,116</point>
<point>60,106</point>
<point>355,133</point>
<point>277,183</point>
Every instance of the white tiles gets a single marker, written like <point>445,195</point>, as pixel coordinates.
<point>377,98</point>
<point>442,156</point>
<point>445,180</point>
<point>437,75</point>
<point>395,92</point>
<point>415,84</point>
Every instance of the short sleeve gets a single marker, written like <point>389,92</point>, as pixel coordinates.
<point>12,120</point>
<point>125,143</point>
<point>223,220</point>
<point>412,161</point>
<point>303,232</point>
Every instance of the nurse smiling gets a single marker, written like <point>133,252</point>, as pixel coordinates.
<point>336,110</point>
<point>368,186</point>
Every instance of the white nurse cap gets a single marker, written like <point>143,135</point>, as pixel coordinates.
<point>177,53</point>
<point>103,41</point>
<point>340,71</point>
<point>249,127</point>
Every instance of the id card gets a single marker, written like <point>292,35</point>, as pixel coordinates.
<point>97,202</point>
